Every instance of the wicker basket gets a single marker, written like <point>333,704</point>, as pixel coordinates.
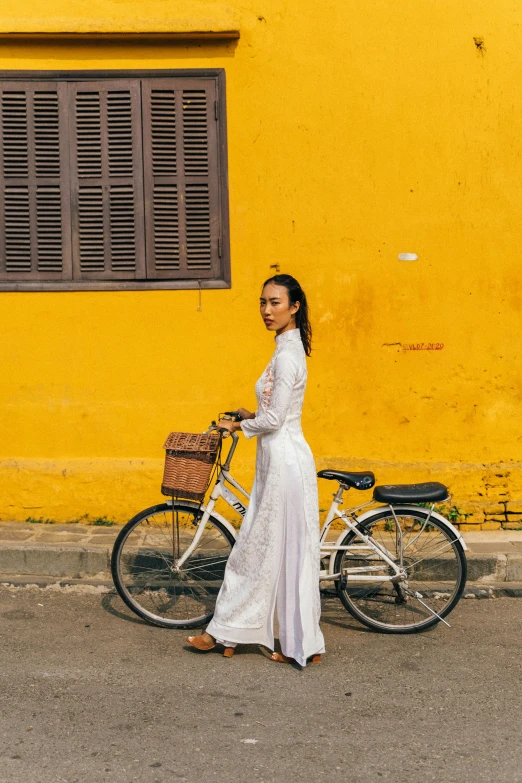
<point>188,464</point>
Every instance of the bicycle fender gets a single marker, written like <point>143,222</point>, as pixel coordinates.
<point>231,529</point>
<point>401,509</point>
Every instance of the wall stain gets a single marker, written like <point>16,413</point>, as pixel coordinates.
<point>480,46</point>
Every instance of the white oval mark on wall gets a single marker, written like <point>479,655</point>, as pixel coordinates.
<point>408,257</point>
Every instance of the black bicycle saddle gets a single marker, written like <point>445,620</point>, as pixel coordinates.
<point>428,492</point>
<point>364,480</point>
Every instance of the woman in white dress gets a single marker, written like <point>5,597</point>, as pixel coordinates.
<point>274,565</point>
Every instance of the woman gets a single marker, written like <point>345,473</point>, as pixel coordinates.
<point>275,561</point>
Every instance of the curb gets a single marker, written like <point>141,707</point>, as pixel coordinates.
<point>494,568</point>
<point>475,591</point>
<point>486,571</point>
<point>57,561</point>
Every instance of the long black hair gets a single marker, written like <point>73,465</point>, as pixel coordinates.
<point>296,294</point>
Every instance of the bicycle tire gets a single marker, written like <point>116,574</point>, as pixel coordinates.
<point>361,605</point>
<point>120,555</point>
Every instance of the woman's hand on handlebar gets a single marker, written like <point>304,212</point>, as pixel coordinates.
<point>231,425</point>
<point>227,424</point>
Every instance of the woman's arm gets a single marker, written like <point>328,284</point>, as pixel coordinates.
<point>246,414</point>
<point>285,370</point>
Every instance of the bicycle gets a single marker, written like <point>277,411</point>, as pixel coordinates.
<point>397,568</point>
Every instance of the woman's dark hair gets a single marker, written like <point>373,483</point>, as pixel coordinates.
<point>296,294</point>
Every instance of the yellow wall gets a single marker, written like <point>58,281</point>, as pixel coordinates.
<point>356,131</point>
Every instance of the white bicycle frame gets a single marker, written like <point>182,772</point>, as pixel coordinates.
<point>219,490</point>
<point>328,549</point>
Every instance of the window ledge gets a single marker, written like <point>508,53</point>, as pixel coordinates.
<point>188,23</point>
<point>114,285</point>
<point>149,35</point>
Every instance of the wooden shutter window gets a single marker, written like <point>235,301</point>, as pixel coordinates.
<point>107,181</point>
<point>49,228</point>
<point>181,178</point>
<point>197,197</point>
<point>165,227</point>
<point>165,212</point>
<point>119,132</point>
<point>17,221</point>
<point>46,134</point>
<point>34,190</point>
<point>15,134</point>
<point>195,132</point>
<point>88,134</point>
<point>197,207</point>
<point>163,132</point>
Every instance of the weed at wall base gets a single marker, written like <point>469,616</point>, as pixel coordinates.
<point>85,519</point>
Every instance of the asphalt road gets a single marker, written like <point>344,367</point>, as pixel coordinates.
<point>90,694</point>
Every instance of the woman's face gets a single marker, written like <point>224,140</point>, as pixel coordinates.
<point>276,310</point>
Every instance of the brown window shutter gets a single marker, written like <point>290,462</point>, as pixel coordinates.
<point>35,239</point>
<point>181,178</point>
<point>106,180</point>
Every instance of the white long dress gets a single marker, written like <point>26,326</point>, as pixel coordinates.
<point>275,561</point>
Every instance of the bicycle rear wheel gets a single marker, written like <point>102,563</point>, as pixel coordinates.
<point>432,557</point>
<point>144,565</point>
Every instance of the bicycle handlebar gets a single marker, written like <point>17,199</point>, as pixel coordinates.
<point>234,414</point>
<point>230,415</point>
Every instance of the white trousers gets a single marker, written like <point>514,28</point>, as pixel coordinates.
<point>292,596</point>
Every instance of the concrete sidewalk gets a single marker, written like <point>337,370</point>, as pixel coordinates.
<point>33,552</point>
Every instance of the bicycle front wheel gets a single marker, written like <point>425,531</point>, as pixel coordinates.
<point>430,554</point>
<point>145,566</point>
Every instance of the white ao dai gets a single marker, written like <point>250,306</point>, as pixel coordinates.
<point>275,562</point>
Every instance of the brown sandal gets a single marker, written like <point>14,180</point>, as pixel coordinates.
<point>201,644</point>
<point>280,658</point>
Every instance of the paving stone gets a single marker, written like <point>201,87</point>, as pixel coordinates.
<point>99,540</point>
<point>15,535</point>
<point>490,548</point>
<point>104,531</point>
<point>59,539</point>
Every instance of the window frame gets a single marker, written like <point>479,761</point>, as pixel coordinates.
<point>224,280</point>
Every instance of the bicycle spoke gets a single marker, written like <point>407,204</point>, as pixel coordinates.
<point>195,568</point>
<point>430,560</point>
<point>150,580</point>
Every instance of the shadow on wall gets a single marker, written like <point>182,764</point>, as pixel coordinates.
<point>119,51</point>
